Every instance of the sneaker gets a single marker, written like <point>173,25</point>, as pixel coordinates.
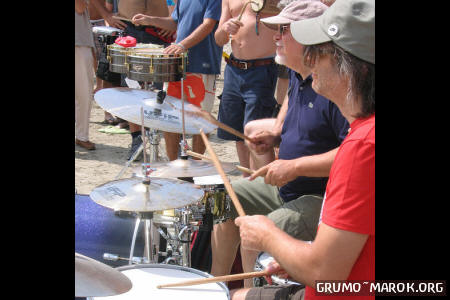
<point>135,144</point>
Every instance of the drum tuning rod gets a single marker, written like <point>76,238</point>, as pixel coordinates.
<point>216,279</point>
<point>219,168</point>
<point>201,156</point>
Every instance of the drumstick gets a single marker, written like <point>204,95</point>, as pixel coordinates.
<point>226,182</point>
<point>216,279</point>
<point>122,18</point>
<point>243,8</point>
<point>198,155</point>
<point>206,115</point>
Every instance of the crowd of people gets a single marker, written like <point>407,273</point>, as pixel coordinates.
<point>300,84</point>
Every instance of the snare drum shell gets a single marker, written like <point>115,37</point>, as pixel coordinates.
<point>154,67</point>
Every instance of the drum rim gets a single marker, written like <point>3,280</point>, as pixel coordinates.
<point>176,267</point>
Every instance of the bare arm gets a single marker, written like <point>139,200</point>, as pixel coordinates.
<point>278,126</point>
<point>80,6</point>
<point>107,14</point>
<point>280,171</point>
<point>166,23</point>
<point>199,33</point>
<point>330,257</point>
<point>226,26</point>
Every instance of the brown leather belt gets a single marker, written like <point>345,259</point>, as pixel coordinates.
<point>247,64</point>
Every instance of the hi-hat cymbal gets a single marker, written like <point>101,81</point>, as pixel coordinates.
<point>131,194</point>
<point>126,104</point>
<point>183,168</point>
<point>95,279</point>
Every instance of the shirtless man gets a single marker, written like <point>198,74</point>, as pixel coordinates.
<point>250,75</point>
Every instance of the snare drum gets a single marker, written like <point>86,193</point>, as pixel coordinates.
<point>146,277</point>
<point>216,198</point>
<point>150,64</point>
<point>261,263</point>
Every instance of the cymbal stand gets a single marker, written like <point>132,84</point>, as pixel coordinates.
<point>183,144</point>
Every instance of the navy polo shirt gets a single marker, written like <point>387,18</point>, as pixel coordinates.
<point>313,125</point>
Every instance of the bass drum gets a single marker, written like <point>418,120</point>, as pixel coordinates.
<point>98,230</point>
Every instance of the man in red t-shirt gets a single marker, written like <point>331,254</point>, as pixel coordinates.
<point>340,49</point>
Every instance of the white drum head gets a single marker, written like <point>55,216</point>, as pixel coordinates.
<point>145,278</point>
<point>208,180</point>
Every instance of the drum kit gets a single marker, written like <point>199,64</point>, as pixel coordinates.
<point>172,199</point>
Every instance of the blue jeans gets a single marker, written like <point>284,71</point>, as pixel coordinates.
<point>247,95</point>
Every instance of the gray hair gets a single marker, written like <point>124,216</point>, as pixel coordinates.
<point>361,74</point>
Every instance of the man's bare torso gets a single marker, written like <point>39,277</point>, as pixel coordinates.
<point>128,8</point>
<point>246,44</point>
<point>93,13</point>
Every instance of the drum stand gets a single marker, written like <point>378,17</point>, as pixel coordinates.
<point>151,249</point>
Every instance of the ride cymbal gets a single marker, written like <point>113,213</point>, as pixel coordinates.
<point>126,104</point>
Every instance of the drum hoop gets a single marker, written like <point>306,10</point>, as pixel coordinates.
<point>150,54</point>
<point>175,267</point>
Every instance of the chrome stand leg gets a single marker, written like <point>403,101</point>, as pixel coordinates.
<point>136,227</point>
<point>185,237</point>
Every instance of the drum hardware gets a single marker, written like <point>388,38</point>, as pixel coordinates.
<point>93,278</point>
<point>116,257</point>
<point>262,261</point>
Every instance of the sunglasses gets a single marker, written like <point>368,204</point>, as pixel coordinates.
<point>282,29</point>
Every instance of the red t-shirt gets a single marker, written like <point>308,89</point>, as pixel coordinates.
<point>349,202</point>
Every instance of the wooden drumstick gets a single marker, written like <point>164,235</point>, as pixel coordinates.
<point>226,182</point>
<point>198,155</point>
<point>122,18</point>
<point>216,279</point>
<point>206,115</point>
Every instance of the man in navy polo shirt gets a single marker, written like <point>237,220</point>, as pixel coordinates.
<point>309,130</point>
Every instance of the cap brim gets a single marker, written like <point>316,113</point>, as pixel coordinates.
<point>273,22</point>
<point>309,32</point>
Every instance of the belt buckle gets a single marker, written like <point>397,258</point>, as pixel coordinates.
<point>245,65</point>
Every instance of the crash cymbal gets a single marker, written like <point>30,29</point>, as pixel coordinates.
<point>126,104</point>
<point>183,168</point>
<point>95,279</point>
<point>131,194</point>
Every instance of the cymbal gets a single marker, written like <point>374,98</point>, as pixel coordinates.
<point>183,168</point>
<point>130,194</point>
<point>126,104</point>
<point>95,279</point>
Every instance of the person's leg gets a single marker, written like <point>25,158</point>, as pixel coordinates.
<point>254,127</point>
<point>258,94</point>
<point>224,244</point>
<point>207,104</point>
<point>248,258</point>
<point>231,112</point>
<point>300,217</point>
<point>172,141</point>
<point>256,197</point>
<point>84,83</point>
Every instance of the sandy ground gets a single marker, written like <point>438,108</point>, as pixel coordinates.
<point>93,168</point>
